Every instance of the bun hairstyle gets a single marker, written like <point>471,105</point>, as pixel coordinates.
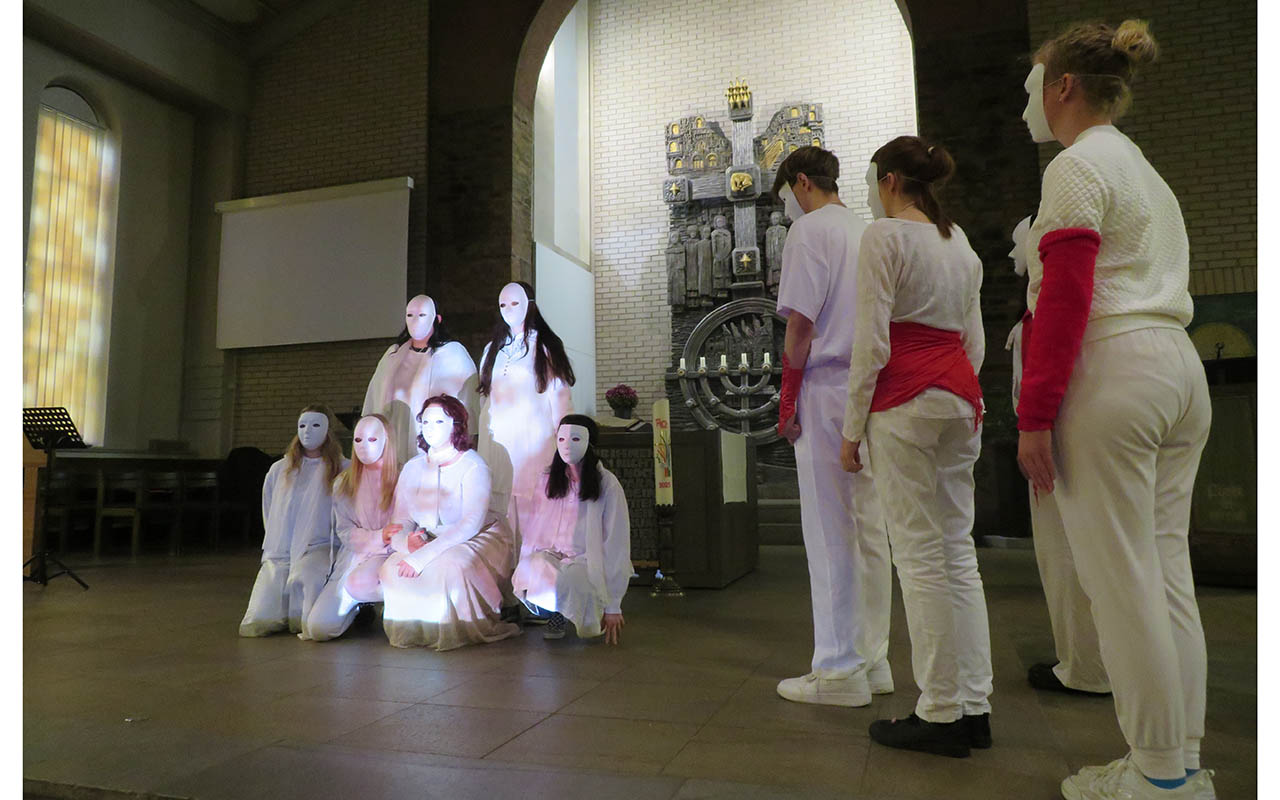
<point>923,167</point>
<point>1103,58</point>
<point>558,474</point>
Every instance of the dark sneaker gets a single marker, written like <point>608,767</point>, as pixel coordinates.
<point>940,738</point>
<point>1042,676</point>
<point>555,627</point>
<point>979,729</point>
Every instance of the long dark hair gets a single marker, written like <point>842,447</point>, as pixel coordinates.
<point>922,168</point>
<point>549,361</point>
<point>439,335</point>
<point>457,412</point>
<point>589,483</point>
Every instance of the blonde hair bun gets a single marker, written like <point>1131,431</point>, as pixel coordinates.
<point>1134,39</point>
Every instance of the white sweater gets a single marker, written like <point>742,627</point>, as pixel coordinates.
<point>1103,182</point>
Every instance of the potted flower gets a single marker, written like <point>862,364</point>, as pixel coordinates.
<point>622,398</point>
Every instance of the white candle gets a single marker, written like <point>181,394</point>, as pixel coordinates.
<point>702,362</point>
<point>766,359</point>
<point>724,361</point>
<point>744,360</point>
<point>682,365</point>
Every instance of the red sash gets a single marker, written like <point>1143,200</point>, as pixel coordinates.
<point>921,358</point>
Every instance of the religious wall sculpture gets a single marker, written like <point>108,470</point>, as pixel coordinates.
<point>723,257</point>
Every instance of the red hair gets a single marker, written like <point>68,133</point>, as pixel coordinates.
<point>457,412</point>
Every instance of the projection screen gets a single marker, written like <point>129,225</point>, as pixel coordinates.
<point>322,265</point>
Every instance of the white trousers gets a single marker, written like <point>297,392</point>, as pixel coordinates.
<point>1075,639</point>
<point>282,596</point>
<point>1128,440</point>
<point>339,601</point>
<point>850,576</point>
<point>924,478</point>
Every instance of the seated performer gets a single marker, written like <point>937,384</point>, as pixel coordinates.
<point>363,496</point>
<point>444,585</point>
<point>575,557</point>
<point>297,509</point>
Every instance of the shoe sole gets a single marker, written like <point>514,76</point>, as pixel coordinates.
<point>933,748</point>
<point>546,635</point>
<point>1069,791</point>
<point>842,700</point>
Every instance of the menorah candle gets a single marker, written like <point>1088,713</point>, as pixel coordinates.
<point>724,361</point>
<point>682,365</point>
<point>766,360</point>
<point>744,360</point>
<point>702,362</point>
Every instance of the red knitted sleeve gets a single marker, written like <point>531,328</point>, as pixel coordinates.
<point>791,380</point>
<point>1069,256</point>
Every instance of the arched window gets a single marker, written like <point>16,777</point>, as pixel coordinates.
<point>675,147</point>
<point>675,129</point>
<point>711,160</point>
<point>697,163</point>
<point>697,123</point>
<point>68,273</point>
<point>679,163</point>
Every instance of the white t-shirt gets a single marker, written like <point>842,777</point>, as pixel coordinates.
<point>909,273</point>
<point>819,279</point>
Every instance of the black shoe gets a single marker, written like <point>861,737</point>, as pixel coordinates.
<point>978,726</point>
<point>940,738</point>
<point>1042,676</point>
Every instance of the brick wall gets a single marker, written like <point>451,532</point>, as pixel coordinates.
<point>344,101</point>
<point>653,61</point>
<point>1195,117</point>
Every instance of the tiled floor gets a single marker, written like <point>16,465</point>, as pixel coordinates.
<point>141,684</point>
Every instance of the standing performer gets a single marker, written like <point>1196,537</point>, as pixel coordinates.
<point>1079,668</point>
<point>575,556</point>
<point>445,583</point>
<point>363,496</point>
<point>844,534</point>
<point>1114,412</point>
<point>914,399</point>
<point>424,361</point>
<point>296,511</point>
<point>525,377</point>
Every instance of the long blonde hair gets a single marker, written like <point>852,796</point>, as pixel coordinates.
<point>353,475</point>
<point>331,451</point>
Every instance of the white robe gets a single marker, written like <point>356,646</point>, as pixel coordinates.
<point>575,556</point>
<point>405,379</point>
<point>518,426</point>
<point>297,513</point>
<point>456,599</point>
<point>357,526</point>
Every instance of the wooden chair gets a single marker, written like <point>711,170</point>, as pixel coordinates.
<point>162,496</point>
<point>201,495</point>
<point>119,496</point>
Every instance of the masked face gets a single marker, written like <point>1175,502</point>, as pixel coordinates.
<point>1019,251</point>
<point>436,427</point>
<point>420,317</point>
<point>1033,114</point>
<point>513,305</point>
<point>313,427</point>
<point>790,204</point>
<point>571,442</point>
<point>369,441</point>
<point>873,193</point>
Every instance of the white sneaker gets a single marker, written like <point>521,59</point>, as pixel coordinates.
<point>1122,780</point>
<point>1203,783</point>
<point>852,691</point>
<point>880,678</point>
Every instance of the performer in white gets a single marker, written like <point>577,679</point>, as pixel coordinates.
<point>914,399</point>
<point>844,534</point>
<point>525,379</point>
<point>363,497</point>
<point>444,585</point>
<point>1079,668</point>
<point>297,507</point>
<point>575,556</point>
<point>1114,410</point>
<point>423,362</point>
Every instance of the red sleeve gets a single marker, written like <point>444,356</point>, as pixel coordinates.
<point>1069,256</point>
<point>791,379</point>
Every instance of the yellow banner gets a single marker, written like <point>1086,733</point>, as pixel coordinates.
<point>664,492</point>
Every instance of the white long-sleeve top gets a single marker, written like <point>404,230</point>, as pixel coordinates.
<point>1102,182</point>
<point>358,522</point>
<point>405,378</point>
<point>595,531</point>
<point>451,502</point>
<point>297,509</point>
<point>908,273</point>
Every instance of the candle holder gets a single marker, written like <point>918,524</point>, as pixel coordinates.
<point>664,582</point>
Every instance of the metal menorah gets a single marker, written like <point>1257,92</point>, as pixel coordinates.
<point>742,383</point>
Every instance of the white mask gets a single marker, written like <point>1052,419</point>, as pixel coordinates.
<point>369,441</point>
<point>790,204</point>
<point>436,427</point>
<point>1019,251</point>
<point>420,317</point>
<point>513,305</point>
<point>313,427</point>
<point>571,443</point>
<point>873,193</point>
<point>1033,114</point>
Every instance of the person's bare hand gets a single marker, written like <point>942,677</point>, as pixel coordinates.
<point>612,623</point>
<point>849,458</point>
<point>406,570</point>
<point>790,429</point>
<point>1035,459</point>
<point>417,540</point>
<point>390,531</point>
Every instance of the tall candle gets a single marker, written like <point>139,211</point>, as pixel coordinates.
<point>664,491</point>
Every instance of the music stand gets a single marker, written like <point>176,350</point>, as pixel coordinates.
<point>48,429</point>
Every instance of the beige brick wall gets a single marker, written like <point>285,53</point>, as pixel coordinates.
<point>1195,117</point>
<point>653,61</point>
<point>344,101</point>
